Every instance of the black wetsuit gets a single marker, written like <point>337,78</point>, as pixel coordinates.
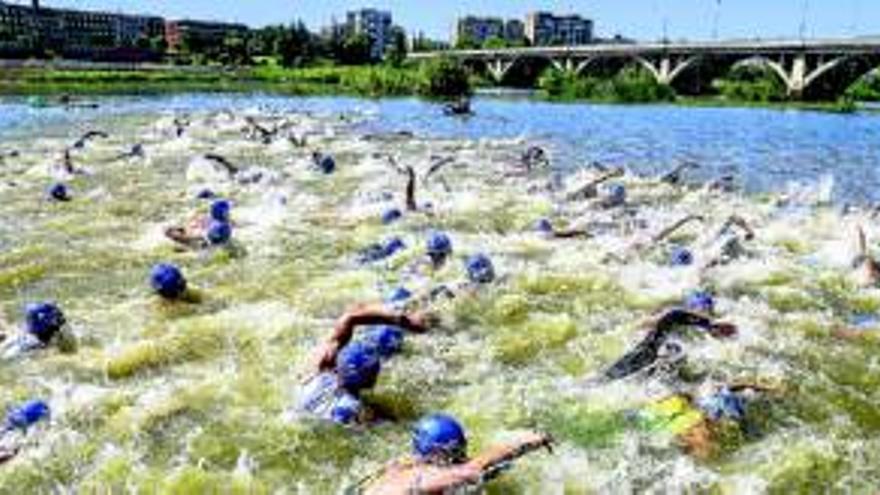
<point>646,352</point>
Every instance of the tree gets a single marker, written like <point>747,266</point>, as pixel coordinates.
<point>356,50</point>
<point>158,44</point>
<point>444,77</point>
<point>495,43</point>
<point>466,42</point>
<point>396,53</point>
<point>234,51</point>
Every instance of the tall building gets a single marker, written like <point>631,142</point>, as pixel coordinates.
<point>35,30</point>
<point>514,31</point>
<point>375,24</point>
<point>200,35</point>
<point>72,33</point>
<point>478,30</point>
<point>545,28</point>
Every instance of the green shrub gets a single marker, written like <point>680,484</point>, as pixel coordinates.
<point>444,78</point>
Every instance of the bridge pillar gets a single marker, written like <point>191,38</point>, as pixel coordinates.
<point>797,79</point>
<point>498,69</point>
<point>664,71</point>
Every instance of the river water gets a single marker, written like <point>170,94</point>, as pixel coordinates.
<point>197,396</point>
<point>765,148</point>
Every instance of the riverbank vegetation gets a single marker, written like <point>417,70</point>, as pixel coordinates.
<point>440,79</point>
<point>631,85</point>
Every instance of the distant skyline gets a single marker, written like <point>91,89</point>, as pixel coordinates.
<point>640,19</point>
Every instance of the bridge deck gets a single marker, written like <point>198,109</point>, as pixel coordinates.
<point>818,46</point>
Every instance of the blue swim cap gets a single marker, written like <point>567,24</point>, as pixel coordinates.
<point>439,439</point>
<point>393,245</point>
<point>479,269</point>
<point>386,340</point>
<point>544,226</point>
<point>724,404</point>
<point>681,256</point>
<point>391,215</point>
<point>206,194</point>
<point>27,415</point>
<point>346,411</point>
<point>326,163</point>
<point>219,233</point>
<point>357,367</point>
<point>59,192</point>
<point>616,194</point>
<point>438,245</point>
<point>168,281</point>
<point>43,320</point>
<point>398,295</point>
<point>220,210</point>
<point>700,301</point>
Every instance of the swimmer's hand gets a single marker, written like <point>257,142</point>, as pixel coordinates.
<point>422,321</point>
<point>539,440</point>
<point>326,356</point>
<point>721,330</point>
<point>7,454</point>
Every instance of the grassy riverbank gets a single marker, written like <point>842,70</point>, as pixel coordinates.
<point>368,81</point>
<point>439,79</point>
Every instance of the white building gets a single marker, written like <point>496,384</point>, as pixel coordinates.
<point>375,24</point>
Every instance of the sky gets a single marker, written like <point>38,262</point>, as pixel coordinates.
<point>640,19</point>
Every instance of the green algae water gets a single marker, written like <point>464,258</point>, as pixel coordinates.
<point>197,397</point>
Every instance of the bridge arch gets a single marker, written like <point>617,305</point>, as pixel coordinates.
<point>762,61</point>
<point>830,79</point>
<point>524,69</point>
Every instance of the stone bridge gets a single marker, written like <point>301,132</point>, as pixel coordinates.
<point>809,69</point>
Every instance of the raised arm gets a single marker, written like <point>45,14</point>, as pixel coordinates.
<point>495,457</point>
<point>344,329</point>
<point>411,189</point>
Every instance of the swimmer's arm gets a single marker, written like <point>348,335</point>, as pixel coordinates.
<point>411,189</point>
<point>496,456</point>
<point>367,315</point>
<point>676,317</point>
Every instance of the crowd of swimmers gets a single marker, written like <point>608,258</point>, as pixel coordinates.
<point>367,337</point>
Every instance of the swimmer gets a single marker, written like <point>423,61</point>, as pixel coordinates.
<point>44,327</point>
<point>438,163</point>
<point>323,162</point>
<point>180,125</point>
<point>380,250</point>
<point>8,154</point>
<point>59,192</point>
<point>590,189</point>
<point>136,151</point>
<point>202,232</point>
<point>67,164</point>
<point>866,268</point>
<point>698,420</point>
<point>480,273</point>
<point>345,367</point>
<point>257,131</point>
<point>227,166</point>
<point>15,428</point>
<point>547,230</point>
<point>89,136</point>
<point>728,244</point>
<point>410,173</point>
<point>460,107</point>
<point>440,463</point>
<point>659,348</point>
<point>674,176</point>
<point>438,249</point>
<point>533,157</point>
